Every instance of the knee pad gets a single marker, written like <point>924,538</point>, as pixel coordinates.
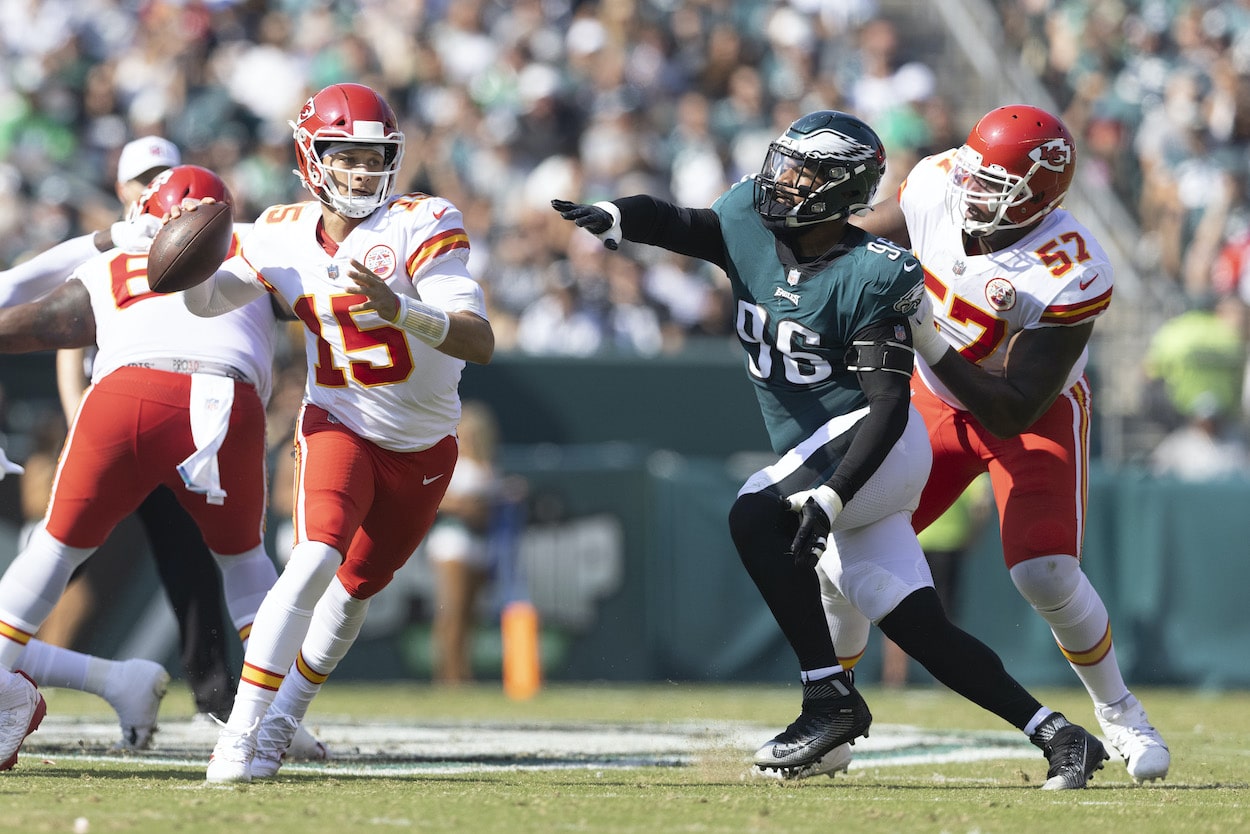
<point>1048,582</point>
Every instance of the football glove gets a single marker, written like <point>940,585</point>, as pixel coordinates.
<point>925,337</point>
<point>603,219</point>
<point>817,508</point>
<point>135,236</point>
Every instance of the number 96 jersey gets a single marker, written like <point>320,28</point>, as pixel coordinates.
<point>384,384</point>
<point>1055,276</point>
<point>797,322</point>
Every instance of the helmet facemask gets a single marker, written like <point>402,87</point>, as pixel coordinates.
<point>318,175</point>
<point>991,192</point>
<point>826,167</point>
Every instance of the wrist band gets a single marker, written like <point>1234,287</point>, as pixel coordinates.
<point>425,321</point>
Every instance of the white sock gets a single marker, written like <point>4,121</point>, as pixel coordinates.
<point>31,586</point>
<point>245,579</point>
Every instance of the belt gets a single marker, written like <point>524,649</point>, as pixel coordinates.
<point>177,365</point>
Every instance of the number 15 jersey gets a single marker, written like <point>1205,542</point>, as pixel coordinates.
<point>383,383</point>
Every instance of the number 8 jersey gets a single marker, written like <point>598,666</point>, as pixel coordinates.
<point>1055,276</point>
<point>382,383</point>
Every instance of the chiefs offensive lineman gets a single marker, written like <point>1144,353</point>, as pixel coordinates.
<point>1015,285</point>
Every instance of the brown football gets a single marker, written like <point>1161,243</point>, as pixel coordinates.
<point>188,249</point>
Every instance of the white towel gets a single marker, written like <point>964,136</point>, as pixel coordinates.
<point>212,397</point>
<point>8,467</point>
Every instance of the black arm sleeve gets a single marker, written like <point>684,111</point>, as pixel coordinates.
<point>686,231</point>
<point>889,396</point>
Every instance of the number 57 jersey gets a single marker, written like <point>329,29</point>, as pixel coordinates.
<point>369,374</point>
<point>1055,276</point>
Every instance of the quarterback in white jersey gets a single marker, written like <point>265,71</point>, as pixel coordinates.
<point>1015,285</point>
<point>391,315</point>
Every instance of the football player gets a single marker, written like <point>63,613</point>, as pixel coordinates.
<point>823,313</point>
<point>174,401</point>
<point>1015,285</point>
<point>392,315</point>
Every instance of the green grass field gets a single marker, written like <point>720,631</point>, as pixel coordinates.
<point>711,790</point>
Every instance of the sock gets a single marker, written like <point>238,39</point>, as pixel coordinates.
<point>31,587</point>
<point>245,580</point>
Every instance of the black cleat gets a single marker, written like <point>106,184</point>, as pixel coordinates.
<point>1073,753</point>
<point>834,713</point>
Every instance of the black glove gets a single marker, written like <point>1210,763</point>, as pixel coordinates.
<point>817,508</point>
<point>591,218</point>
<point>813,536</point>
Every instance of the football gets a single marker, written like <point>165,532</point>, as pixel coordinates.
<point>189,248</point>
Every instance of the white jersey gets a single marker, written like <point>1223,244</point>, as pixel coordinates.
<point>380,381</point>
<point>135,326</point>
<point>1056,276</point>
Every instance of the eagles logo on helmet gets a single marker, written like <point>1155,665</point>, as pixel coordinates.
<point>826,166</point>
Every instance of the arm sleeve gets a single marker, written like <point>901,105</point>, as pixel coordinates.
<point>686,231</point>
<point>889,398</point>
<point>40,275</point>
<point>227,290</point>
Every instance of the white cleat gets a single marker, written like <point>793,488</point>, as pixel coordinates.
<point>273,741</point>
<point>306,748</point>
<point>231,762</point>
<point>134,688</point>
<point>837,760</point>
<point>1130,734</point>
<point>22,709</point>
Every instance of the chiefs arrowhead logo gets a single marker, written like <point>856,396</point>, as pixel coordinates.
<point>306,112</point>
<point>1055,155</point>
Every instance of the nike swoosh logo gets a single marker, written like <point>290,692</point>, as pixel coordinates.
<point>428,481</point>
<point>1092,279</point>
<point>438,215</point>
<point>910,266</point>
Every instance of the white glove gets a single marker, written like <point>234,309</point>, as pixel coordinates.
<point>924,333</point>
<point>135,236</point>
<point>8,467</point>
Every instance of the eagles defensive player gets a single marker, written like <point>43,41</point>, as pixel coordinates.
<point>823,312</point>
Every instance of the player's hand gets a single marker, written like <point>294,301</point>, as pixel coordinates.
<point>925,337</point>
<point>187,204</point>
<point>603,220</point>
<point>817,508</point>
<point>378,296</point>
<point>135,236</point>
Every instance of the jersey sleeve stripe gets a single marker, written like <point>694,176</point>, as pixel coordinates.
<point>436,247</point>
<point>1076,313</point>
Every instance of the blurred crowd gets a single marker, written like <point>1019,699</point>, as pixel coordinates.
<point>508,104</point>
<point>505,105</point>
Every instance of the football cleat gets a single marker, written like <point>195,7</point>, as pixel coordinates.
<point>134,688</point>
<point>834,713</point>
<point>306,748</point>
<point>1072,752</point>
<point>1131,736</point>
<point>22,708</point>
<point>837,760</point>
<point>231,761</point>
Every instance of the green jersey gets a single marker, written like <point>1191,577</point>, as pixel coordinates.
<point>797,321</point>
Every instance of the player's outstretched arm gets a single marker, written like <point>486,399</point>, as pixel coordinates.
<point>61,319</point>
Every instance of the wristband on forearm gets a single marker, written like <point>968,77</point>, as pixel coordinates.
<point>425,321</point>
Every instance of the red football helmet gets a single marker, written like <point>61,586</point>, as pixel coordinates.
<point>170,186</point>
<point>1015,167</point>
<point>347,114</point>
